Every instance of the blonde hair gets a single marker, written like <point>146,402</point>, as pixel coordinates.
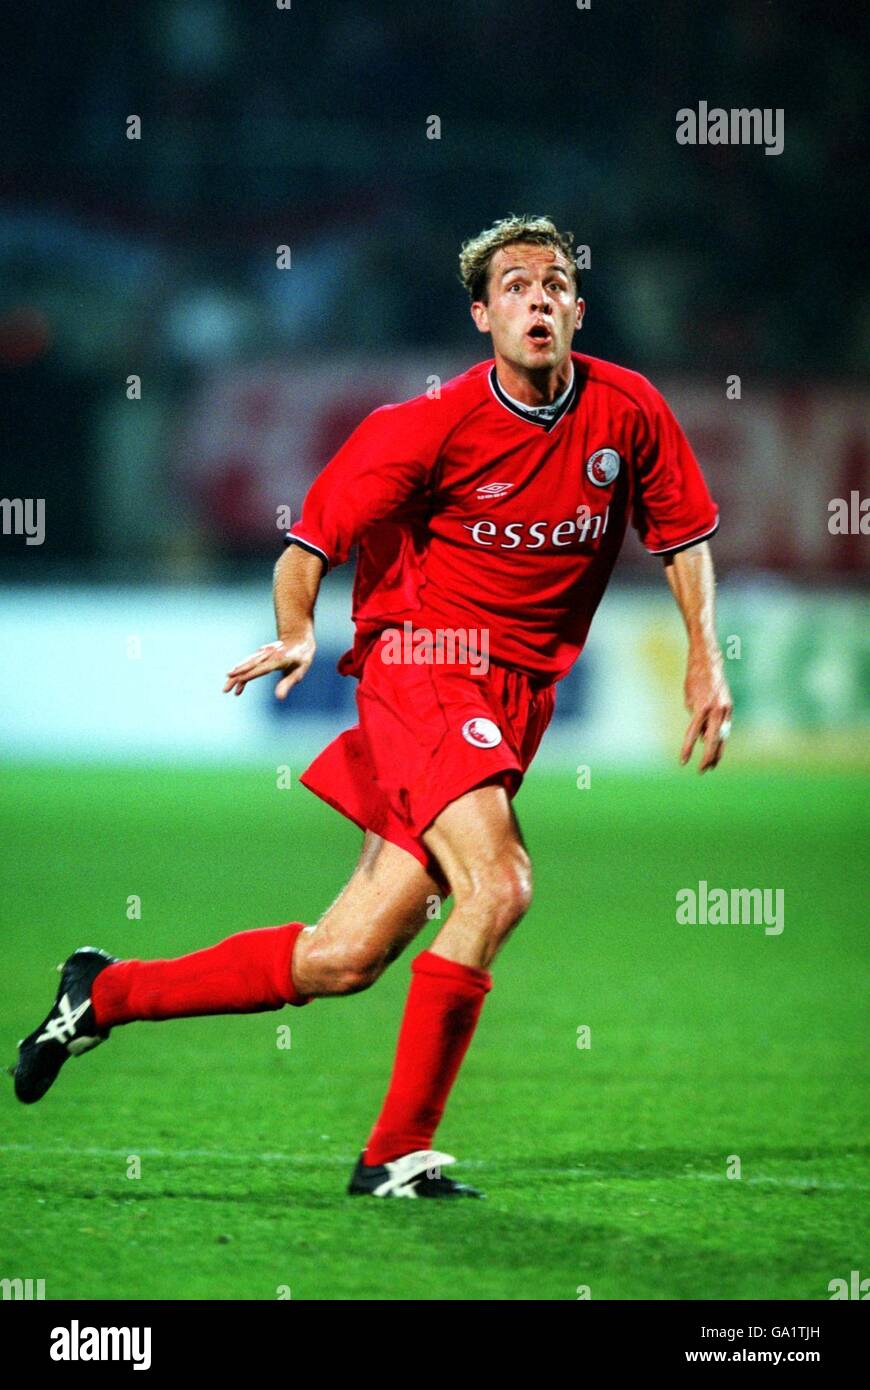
<point>476,254</point>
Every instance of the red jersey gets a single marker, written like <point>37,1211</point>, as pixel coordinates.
<point>469,513</point>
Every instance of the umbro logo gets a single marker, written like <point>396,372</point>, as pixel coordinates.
<point>494,489</point>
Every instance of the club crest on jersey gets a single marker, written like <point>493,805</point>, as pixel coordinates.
<point>602,467</point>
<point>494,489</point>
<point>482,733</point>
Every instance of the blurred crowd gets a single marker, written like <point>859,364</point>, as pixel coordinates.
<point>307,126</point>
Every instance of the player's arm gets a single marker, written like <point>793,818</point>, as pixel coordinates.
<point>674,515</point>
<point>383,464</point>
<point>295,588</point>
<point>708,699</point>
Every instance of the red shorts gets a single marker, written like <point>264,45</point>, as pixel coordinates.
<point>426,735</point>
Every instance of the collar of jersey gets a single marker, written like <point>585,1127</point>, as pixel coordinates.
<point>562,405</point>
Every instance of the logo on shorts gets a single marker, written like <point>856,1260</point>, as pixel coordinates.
<point>602,467</point>
<point>481,732</point>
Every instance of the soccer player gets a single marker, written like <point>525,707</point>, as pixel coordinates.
<point>488,517</point>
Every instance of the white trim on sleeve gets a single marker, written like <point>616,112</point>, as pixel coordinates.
<point>308,545</point>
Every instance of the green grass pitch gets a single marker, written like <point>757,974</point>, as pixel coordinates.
<point>604,1167</point>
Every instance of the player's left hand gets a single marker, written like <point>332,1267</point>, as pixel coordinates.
<point>708,700</point>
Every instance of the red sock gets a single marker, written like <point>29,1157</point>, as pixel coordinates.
<point>441,1014</point>
<point>245,974</point>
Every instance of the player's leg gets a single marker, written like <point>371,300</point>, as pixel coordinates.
<point>477,842</point>
<point>380,909</point>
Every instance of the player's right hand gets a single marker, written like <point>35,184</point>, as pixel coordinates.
<point>293,656</point>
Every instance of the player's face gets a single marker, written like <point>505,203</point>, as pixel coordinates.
<point>532,311</point>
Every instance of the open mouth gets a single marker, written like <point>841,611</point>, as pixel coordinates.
<point>540,333</point>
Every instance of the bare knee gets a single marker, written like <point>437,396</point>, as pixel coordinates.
<point>498,895</point>
<point>337,967</point>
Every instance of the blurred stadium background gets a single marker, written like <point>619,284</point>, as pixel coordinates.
<point>156,258</point>
<point>307,128</point>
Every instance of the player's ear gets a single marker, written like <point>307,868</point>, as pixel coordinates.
<point>581,310</point>
<point>480,315</point>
